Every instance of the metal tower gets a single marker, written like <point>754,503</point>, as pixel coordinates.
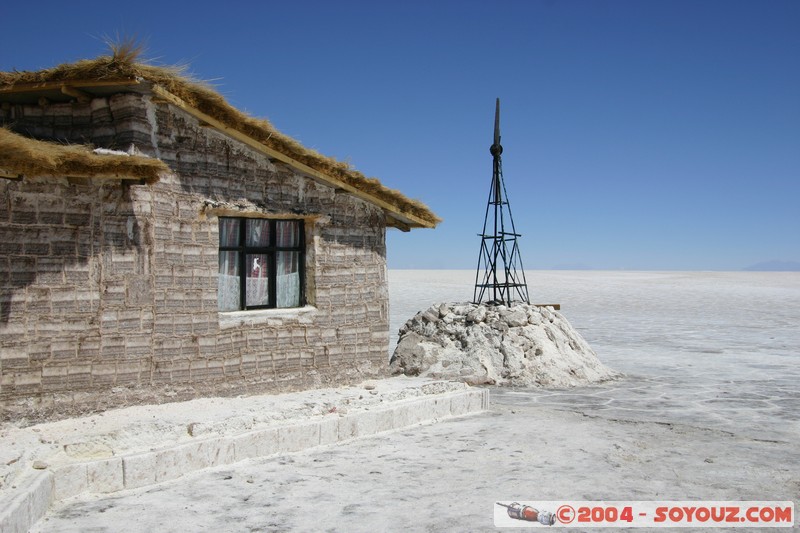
<point>500,278</point>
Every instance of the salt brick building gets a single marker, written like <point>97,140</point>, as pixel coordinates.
<point>202,253</point>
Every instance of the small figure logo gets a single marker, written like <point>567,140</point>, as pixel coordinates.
<point>529,514</point>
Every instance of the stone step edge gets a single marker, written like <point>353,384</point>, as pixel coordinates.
<point>124,472</point>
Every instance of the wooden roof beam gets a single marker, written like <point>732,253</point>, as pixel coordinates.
<point>391,221</point>
<point>57,85</point>
<point>5,174</point>
<point>81,96</point>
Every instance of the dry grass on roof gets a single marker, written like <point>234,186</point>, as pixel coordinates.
<point>125,64</point>
<point>29,157</point>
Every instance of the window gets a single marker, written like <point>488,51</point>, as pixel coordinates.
<point>261,263</point>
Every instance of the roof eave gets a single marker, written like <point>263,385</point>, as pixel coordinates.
<point>396,217</point>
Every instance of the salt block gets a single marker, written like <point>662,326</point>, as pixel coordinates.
<point>259,443</point>
<point>329,430</point>
<point>298,437</point>
<point>70,480</point>
<point>105,476</point>
<point>139,470</point>
<point>24,510</point>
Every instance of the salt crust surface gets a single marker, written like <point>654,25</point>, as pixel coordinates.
<point>149,427</point>
<point>520,345</point>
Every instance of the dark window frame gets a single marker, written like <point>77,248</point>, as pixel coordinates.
<point>271,251</point>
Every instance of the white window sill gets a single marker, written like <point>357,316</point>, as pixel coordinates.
<point>232,319</point>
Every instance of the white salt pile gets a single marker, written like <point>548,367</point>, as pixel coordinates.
<point>497,345</point>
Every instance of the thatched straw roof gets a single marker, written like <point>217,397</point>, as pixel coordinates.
<point>23,156</point>
<point>123,67</point>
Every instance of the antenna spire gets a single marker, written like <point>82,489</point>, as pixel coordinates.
<point>500,277</point>
<point>496,146</point>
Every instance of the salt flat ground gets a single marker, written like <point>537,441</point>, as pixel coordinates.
<point>721,349</point>
<point>707,411</point>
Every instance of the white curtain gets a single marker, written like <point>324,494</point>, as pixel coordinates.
<point>288,280</point>
<point>228,295</point>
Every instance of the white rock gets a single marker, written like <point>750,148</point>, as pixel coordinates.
<point>516,317</point>
<point>521,345</point>
<point>476,315</point>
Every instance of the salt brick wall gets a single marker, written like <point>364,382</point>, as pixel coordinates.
<point>108,290</point>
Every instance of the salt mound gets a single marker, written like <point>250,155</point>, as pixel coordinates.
<point>482,344</point>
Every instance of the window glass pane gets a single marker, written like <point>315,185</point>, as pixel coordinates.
<point>257,266</point>
<point>228,285</point>
<point>257,283</point>
<point>257,232</point>
<point>228,232</point>
<point>287,281</point>
<point>288,233</point>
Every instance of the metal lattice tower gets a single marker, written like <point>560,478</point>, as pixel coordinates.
<point>500,278</point>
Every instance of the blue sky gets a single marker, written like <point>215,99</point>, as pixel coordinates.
<point>637,134</point>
